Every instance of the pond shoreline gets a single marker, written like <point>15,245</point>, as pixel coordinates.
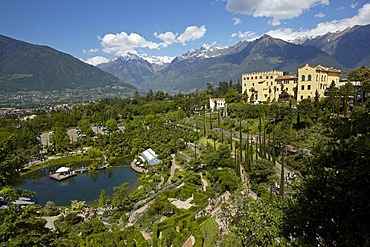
<point>85,186</point>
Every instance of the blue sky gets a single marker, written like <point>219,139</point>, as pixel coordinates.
<point>97,30</point>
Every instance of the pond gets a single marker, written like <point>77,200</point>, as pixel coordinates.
<point>85,186</point>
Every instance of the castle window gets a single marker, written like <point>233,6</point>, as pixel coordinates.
<point>260,76</point>
<point>308,87</point>
<point>301,96</point>
<point>303,77</point>
<point>309,78</point>
<point>271,77</point>
<point>267,77</point>
<point>302,87</point>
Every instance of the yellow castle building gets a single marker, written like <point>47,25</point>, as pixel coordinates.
<point>315,78</point>
<point>267,86</point>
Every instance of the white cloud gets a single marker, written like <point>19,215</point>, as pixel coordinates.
<point>320,15</point>
<point>168,38</point>
<point>96,60</point>
<point>192,33</point>
<point>245,35</point>
<point>277,10</point>
<point>91,51</point>
<point>237,20</point>
<point>123,43</point>
<point>362,18</point>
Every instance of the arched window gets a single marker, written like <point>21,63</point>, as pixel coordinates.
<point>309,78</point>
<point>317,77</point>
<point>303,77</point>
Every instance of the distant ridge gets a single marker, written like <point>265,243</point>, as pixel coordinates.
<point>343,50</point>
<point>26,67</point>
<point>350,47</point>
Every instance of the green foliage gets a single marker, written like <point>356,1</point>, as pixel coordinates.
<point>103,199</point>
<point>224,179</point>
<point>92,226</point>
<point>68,224</point>
<point>332,203</point>
<point>9,193</point>
<point>111,124</point>
<point>258,224</point>
<point>50,209</point>
<point>261,171</point>
<point>210,231</point>
<point>10,162</point>
<point>20,227</point>
<point>219,158</point>
<point>77,205</point>
<point>121,197</point>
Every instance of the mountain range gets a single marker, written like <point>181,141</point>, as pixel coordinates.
<point>343,50</point>
<point>29,67</point>
<point>26,67</point>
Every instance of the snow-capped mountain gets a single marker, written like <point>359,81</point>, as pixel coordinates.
<point>350,46</point>
<point>159,62</point>
<point>130,68</point>
<point>205,51</point>
<point>194,69</point>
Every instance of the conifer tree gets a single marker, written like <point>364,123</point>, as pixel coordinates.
<point>282,181</point>
<point>240,141</point>
<point>231,141</point>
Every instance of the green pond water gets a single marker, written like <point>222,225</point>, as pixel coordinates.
<point>85,186</point>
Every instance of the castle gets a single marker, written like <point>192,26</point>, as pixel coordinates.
<point>269,85</point>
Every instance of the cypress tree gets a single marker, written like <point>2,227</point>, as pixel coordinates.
<point>273,148</point>
<point>204,123</point>
<point>231,141</point>
<point>251,156</point>
<point>218,118</point>
<point>236,161</point>
<point>257,150</point>
<point>260,136</point>
<point>264,144</point>
<point>195,149</point>
<point>247,156</point>
<point>210,120</point>
<point>271,186</point>
<point>282,182</point>
<point>268,147</point>
<point>240,141</point>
